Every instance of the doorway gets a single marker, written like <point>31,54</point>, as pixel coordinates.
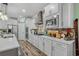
<point>27,34</point>
<point>76,36</point>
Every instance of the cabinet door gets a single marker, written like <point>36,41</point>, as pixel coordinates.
<point>21,31</point>
<point>59,49</point>
<point>41,44</point>
<point>51,9</point>
<point>68,15</point>
<point>30,38</point>
<point>33,41</point>
<point>71,49</point>
<point>36,42</point>
<point>47,46</point>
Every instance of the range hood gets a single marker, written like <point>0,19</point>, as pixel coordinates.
<point>39,18</point>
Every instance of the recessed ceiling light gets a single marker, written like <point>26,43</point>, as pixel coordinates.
<point>20,16</point>
<point>0,13</point>
<point>55,16</point>
<point>23,10</point>
<point>52,7</point>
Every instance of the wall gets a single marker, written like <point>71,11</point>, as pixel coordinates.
<point>76,14</point>
<point>12,21</point>
<point>76,10</point>
<point>3,24</point>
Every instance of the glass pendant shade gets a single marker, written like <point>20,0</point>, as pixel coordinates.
<point>3,10</point>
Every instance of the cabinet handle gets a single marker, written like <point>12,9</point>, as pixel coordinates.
<point>52,49</point>
<point>43,44</point>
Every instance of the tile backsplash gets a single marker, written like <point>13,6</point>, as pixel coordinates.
<point>61,33</point>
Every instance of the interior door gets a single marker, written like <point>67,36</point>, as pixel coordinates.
<point>21,31</point>
<point>27,33</point>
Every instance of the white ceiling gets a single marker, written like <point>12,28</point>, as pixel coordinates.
<point>15,9</point>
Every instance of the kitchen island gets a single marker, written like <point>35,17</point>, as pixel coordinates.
<point>8,45</point>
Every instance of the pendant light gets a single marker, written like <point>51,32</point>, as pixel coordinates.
<point>3,11</point>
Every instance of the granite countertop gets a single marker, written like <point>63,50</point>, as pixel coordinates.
<point>56,39</point>
<point>59,40</point>
<point>8,43</point>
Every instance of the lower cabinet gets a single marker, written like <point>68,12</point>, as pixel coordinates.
<point>62,49</point>
<point>47,46</point>
<point>59,49</point>
<point>41,44</point>
<point>33,39</point>
<point>52,47</point>
<point>36,41</point>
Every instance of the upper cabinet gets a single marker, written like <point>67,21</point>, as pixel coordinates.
<point>50,9</point>
<point>21,19</point>
<point>52,12</point>
<point>68,15</point>
<point>64,11</point>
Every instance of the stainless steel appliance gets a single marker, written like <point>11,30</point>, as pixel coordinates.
<point>52,22</point>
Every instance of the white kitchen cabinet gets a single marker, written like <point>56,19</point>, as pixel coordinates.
<point>51,9</point>
<point>21,31</point>
<point>47,46</point>
<point>52,46</point>
<point>68,15</point>
<point>59,49</point>
<point>65,12</point>
<point>34,40</point>
<point>71,49</point>
<point>41,44</point>
<point>30,39</point>
<point>62,49</point>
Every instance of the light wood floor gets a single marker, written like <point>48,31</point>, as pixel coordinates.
<point>29,50</point>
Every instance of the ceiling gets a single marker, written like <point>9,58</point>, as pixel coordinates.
<point>15,9</point>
